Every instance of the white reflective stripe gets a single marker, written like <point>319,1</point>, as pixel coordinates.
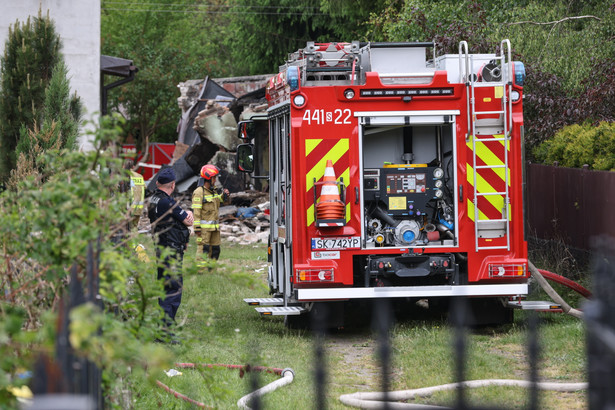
<point>329,190</point>
<point>329,172</point>
<point>204,222</point>
<point>412,291</point>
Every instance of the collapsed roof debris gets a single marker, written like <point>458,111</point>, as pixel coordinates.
<point>207,133</point>
<point>207,130</point>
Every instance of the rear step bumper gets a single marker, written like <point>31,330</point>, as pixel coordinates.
<point>264,301</point>
<point>281,310</point>
<point>310,295</point>
<point>536,305</point>
<point>274,307</point>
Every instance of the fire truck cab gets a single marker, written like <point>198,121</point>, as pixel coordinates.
<point>394,173</point>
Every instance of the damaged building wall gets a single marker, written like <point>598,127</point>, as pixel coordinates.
<point>207,132</point>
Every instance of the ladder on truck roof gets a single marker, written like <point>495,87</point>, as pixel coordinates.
<point>489,129</point>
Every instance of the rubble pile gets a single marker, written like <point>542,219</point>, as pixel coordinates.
<point>245,225</point>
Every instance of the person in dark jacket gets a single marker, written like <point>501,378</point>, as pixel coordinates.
<point>170,224</point>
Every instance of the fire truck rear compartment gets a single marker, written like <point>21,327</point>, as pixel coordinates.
<point>408,185</point>
<point>407,270</point>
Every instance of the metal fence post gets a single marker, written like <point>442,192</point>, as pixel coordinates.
<point>533,357</point>
<point>459,313</point>
<point>600,325</point>
<point>383,321</point>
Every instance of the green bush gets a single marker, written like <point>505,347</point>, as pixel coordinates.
<point>577,145</point>
<point>47,221</point>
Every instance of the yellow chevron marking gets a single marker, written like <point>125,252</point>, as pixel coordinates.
<point>490,158</point>
<point>319,168</point>
<point>310,144</point>
<point>346,176</point>
<point>484,187</point>
<point>481,216</point>
<point>310,215</point>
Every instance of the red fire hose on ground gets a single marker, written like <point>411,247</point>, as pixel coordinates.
<point>566,282</point>
<point>542,281</point>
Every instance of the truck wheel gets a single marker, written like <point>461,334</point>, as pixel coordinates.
<point>298,322</point>
<point>486,312</point>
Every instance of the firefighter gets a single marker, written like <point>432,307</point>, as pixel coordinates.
<point>206,202</point>
<point>170,224</point>
<point>137,193</point>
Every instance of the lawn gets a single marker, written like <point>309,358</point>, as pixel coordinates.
<point>217,327</point>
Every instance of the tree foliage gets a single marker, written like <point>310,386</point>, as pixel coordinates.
<point>172,41</point>
<point>444,22</point>
<point>567,47</point>
<point>169,42</point>
<point>31,52</point>
<point>265,31</point>
<point>46,226</point>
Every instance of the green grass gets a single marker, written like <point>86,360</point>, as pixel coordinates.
<point>218,327</point>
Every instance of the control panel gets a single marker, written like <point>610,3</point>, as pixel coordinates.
<point>404,191</point>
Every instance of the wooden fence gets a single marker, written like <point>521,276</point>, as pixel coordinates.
<point>569,204</point>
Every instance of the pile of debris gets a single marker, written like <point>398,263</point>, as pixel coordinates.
<point>246,225</point>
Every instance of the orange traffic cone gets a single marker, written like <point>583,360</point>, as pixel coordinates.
<point>330,206</point>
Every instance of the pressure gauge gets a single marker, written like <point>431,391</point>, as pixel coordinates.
<point>438,173</point>
<point>439,193</point>
<point>439,183</point>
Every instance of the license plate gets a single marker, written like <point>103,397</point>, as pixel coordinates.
<point>352,242</point>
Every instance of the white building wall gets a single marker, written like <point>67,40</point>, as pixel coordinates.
<point>78,24</point>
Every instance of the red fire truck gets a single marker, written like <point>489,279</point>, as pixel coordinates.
<point>394,173</point>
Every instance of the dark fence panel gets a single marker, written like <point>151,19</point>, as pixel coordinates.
<point>571,204</point>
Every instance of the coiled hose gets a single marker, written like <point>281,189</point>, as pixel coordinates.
<point>374,400</point>
<point>287,378</point>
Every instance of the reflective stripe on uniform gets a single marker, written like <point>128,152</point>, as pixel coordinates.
<point>137,186</point>
<point>209,224</point>
<point>210,198</point>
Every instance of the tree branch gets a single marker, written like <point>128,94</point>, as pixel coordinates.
<point>553,22</point>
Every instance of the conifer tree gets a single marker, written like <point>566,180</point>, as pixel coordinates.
<point>61,115</point>
<point>31,52</point>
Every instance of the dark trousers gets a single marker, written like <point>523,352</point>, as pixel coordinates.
<point>170,271</point>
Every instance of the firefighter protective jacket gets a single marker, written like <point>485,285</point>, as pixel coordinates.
<point>206,207</point>
<point>137,189</point>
